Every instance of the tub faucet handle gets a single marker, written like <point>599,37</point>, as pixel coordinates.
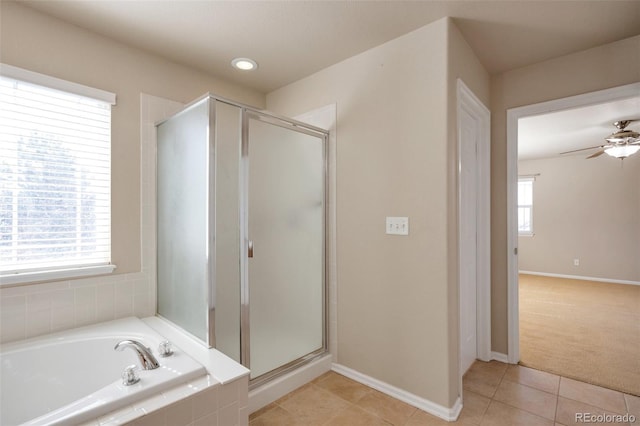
<point>165,349</point>
<point>130,376</point>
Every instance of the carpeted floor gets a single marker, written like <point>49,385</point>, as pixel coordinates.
<point>586,330</point>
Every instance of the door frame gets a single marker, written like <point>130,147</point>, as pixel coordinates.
<point>513,115</point>
<point>469,103</point>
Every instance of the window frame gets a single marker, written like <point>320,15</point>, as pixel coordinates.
<point>529,232</point>
<point>60,272</point>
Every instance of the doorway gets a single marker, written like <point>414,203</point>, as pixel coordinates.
<point>514,121</point>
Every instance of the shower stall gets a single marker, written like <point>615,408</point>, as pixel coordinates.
<point>242,233</point>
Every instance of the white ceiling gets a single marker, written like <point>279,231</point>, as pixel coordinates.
<point>547,135</point>
<point>293,39</point>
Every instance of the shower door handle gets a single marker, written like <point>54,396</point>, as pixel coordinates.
<point>250,249</point>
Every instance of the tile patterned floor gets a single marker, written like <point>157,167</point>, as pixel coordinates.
<point>495,394</point>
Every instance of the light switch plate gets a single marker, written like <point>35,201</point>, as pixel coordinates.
<point>397,226</point>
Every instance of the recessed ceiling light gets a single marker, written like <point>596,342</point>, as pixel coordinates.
<point>244,64</point>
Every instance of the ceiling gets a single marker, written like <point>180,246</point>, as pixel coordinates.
<point>293,39</point>
<point>547,135</point>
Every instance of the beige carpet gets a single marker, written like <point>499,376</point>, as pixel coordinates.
<point>585,330</point>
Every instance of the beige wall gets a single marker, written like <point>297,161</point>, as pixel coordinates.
<point>583,72</point>
<point>37,42</point>
<point>394,156</point>
<point>585,209</point>
<point>462,64</point>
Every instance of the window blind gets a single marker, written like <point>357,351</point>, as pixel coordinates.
<point>55,179</point>
<point>525,205</point>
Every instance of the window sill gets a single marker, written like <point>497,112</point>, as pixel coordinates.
<point>56,275</point>
<point>525,234</point>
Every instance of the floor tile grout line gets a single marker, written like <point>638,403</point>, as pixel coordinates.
<point>531,387</point>
<point>492,398</point>
<point>555,414</point>
<point>571,399</point>
<point>626,403</point>
<point>527,411</point>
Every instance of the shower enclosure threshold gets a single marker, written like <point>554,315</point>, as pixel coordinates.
<point>265,392</point>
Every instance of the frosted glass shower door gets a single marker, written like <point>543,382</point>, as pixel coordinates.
<point>183,219</point>
<point>286,226</point>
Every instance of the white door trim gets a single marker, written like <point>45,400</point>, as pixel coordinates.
<point>513,115</point>
<point>468,102</point>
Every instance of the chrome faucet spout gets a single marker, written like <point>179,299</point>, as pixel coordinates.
<point>146,358</point>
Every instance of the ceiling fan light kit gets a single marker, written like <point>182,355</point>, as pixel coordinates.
<point>620,144</point>
<point>622,151</point>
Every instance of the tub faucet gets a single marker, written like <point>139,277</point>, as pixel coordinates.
<point>146,358</point>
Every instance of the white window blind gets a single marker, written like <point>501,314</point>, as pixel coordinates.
<point>525,206</point>
<point>55,182</point>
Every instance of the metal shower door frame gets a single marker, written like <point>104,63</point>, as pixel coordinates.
<point>245,242</point>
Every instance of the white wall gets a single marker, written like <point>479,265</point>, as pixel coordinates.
<point>587,210</point>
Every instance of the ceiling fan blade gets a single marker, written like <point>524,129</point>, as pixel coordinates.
<point>582,149</point>
<point>597,154</point>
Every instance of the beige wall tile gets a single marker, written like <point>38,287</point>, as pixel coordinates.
<point>179,413</point>
<point>210,420</point>
<point>228,394</point>
<point>205,402</point>
<point>229,415</point>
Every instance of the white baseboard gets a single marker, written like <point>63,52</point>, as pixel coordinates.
<point>497,356</point>
<point>579,277</point>
<point>445,413</point>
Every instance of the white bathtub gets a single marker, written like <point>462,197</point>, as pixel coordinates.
<point>74,376</point>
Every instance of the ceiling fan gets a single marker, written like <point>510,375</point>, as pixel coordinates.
<point>621,144</point>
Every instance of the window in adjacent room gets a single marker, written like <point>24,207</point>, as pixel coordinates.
<point>55,178</point>
<point>525,205</point>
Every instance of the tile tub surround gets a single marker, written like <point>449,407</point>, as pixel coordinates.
<point>38,309</point>
<point>203,402</point>
<point>495,394</point>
